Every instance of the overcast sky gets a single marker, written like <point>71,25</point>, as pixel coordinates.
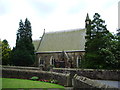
<point>53,15</point>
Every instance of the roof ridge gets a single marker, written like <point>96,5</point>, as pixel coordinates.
<point>69,30</point>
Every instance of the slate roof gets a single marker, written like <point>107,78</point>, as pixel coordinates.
<point>36,44</point>
<point>71,40</point>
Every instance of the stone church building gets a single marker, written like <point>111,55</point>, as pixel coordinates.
<point>61,49</point>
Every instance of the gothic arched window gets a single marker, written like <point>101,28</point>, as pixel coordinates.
<point>41,61</point>
<point>52,60</point>
<point>78,61</point>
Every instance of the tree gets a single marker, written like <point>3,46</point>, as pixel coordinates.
<point>117,51</point>
<point>118,32</point>
<point>108,52</point>
<point>0,52</point>
<point>98,44</point>
<point>6,51</point>
<point>23,53</point>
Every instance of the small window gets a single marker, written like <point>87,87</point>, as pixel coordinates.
<point>78,61</point>
<point>52,60</point>
<point>41,61</point>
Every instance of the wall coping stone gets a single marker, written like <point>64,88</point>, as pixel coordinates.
<point>37,71</point>
<point>91,82</point>
<point>74,69</point>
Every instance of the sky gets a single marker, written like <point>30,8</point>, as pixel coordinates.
<point>53,15</point>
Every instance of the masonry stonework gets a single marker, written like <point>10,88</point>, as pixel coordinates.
<point>60,59</point>
<point>65,78</point>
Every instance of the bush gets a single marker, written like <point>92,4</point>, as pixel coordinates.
<point>34,78</point>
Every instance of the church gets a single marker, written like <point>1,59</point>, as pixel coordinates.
<point>61,49</point>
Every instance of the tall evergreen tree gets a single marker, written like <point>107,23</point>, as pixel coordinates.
<point>117,54</point>
<point>0,52</point>
<point>23,53</point>
<point>28,37</point>
<point>97,46</point>
<point>118,32</point>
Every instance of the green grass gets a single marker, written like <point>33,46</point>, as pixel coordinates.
<point>22,83</point>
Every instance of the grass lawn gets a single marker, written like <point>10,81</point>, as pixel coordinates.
<point>22,83</point>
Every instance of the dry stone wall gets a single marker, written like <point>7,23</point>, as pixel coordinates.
<point>81,82</point>
<point>63,79</point>
<point>78,78</point>
<point>92,73</point>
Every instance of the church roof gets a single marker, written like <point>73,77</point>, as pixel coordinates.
<point>72,40</point>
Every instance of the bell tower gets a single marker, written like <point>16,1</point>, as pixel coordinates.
<point>87,21</point>
<point>88,27</point>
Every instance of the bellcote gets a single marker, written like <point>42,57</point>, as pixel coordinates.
<point>87,20</point>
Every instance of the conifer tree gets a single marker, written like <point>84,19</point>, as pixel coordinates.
<point>117,54</point>
<point>0,52</point>
<point>23,53</point>
<point>97,46</point>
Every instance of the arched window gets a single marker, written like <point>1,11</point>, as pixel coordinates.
<point>78,61</point>
<point>41,61</point>
<point>52,60</point>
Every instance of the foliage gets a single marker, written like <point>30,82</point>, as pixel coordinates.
<point>53,81</point>
<point>34,78</point>
<point>118,33</point>
<point>100,46</point>
<point>0,52</point>
<point>117,53</point>
<point>23,53</point>
<point>6,51</point>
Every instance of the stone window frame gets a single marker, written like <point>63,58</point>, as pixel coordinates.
<point>78,61</point>
<point>52,61</point>
<point>41,62</point>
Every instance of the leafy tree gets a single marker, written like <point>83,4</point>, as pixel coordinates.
<point>108,52</point>
<point>117,53</point>
<point>118,33</point>
<point>98,44</point>
<point>0,52</point>
<point>6,51</point>
<point>23,53</point>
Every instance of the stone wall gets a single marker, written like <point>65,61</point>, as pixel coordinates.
<point>63,79</point>
<point>92,73</point>
<point>60,57</point>
<point>81,82</point>
<point>21,67</point>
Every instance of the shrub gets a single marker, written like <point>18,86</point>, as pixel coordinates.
<point>34,78</point>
